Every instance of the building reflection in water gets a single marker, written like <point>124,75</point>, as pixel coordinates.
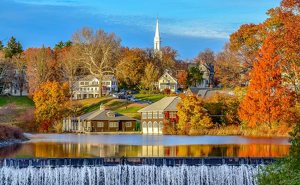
<point>44,149</point>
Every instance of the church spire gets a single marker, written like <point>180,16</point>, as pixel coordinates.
<point>157,40</point>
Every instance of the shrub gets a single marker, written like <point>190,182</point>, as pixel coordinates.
<point>57,126</point>
<point>26,121</point>
<point>10,132</point>
<point>154,91</point>
<point>8,113</point>
<point>166,91</point>
<point>143,91</point>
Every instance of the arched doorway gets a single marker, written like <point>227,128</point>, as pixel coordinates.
<point>145,127</point>
<point>155,128</point>
<point>161,126</point>
<point>150,130</point>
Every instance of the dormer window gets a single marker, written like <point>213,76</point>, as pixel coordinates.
<point>111,114</point>
<point>166,76</point>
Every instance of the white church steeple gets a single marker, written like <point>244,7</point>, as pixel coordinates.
<point>157,41</point>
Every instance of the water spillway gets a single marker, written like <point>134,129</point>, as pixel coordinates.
<point>133,161</point>
<point>131,170</point>
<point>127,174</point>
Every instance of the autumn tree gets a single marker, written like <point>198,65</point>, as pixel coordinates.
<point>98,50</point>
<point>206,57</point>
<point>150,77</point>
<point>50,102</point>
<point>13,47</point>
<point>269,99</point>
<point>5,75</point>
<point>169,60</point>
<point>131,68</point>
<point>192,115</point>
<point>228,68</point>
<point>71,67</point>
<point>182,79</point>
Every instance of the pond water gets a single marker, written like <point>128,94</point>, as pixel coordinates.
<point>136,145</point>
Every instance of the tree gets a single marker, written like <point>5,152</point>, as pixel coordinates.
<point>192,115</point>
<point>1,45</point>
<point>20,67</point>
<point>228,68</point>
<point>13,47</point>
<point>50,102</point>
<point>206,57</point>
<point>150,77</point>
<point>131,68</point>
<point>182,79</point>
<point>70,66</point>
<point>284,170</point>
<point>169,60</point>
<point>194,77</point>
<point>5,75</point>
<point>98,50</point>
<point>269,99</point>
<point>62,44</point>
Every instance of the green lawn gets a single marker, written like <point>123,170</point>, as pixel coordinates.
<point>17,100</point>
<point>153,97</point>
<point>128,110</point>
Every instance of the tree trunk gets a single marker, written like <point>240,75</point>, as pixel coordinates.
<point>100,85</point>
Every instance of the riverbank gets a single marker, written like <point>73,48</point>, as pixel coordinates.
<point>262,131</point>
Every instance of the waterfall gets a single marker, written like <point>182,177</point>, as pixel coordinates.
<point>126,174</point>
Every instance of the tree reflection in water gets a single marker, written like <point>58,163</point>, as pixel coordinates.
<point>52,149</point>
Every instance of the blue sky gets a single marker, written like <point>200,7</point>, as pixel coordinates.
<point>188,26</point>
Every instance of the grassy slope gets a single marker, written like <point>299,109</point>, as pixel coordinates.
<point>18,101</point>
<point>153,97</point>
<point>114,105</point>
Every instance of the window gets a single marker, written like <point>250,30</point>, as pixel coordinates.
<point>128,124</point>
<point>161,115</point>
<point>99,124</point>
<point>107,83</point>
<point>91,89</point>
<point>86,83</point>
<point>113,124</point>
<point>144,115</point>
<point>172,114</point>
<point>154,114</point>
<point>149,115</point>
<point>166,76</point>
<point>172,86</point>
<point>88,124</point>
<point>81,83</point>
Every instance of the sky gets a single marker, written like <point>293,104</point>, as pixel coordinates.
<point>189,26</point>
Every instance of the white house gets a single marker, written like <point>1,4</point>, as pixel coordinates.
<point>88,86</point>
<point>167,81</point>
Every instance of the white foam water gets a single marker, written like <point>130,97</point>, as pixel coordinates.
<point>131,175</point>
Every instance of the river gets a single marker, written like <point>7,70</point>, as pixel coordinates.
<point>136,145</point>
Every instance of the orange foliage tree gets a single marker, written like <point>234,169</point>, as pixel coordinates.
<point>50,102</point>
<point>192,115</point>
<point>131,68</point>
<point>269,99</point>
<point>182,79</point>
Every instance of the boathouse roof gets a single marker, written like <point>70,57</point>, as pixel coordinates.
<point>165,104</point>
<point>104,115</point>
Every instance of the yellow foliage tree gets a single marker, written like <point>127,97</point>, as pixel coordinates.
<point>192,115</point>
<point>50,102</point>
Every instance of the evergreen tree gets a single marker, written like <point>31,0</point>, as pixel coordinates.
<point>13,47</point>
<point>194,76</point>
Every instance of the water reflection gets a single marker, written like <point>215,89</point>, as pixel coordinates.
<point>53,149</point>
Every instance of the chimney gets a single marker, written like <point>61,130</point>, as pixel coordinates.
<point>101,106</point>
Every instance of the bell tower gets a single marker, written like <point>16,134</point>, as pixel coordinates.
<point>157,40</point>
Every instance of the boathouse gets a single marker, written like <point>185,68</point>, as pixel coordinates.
<point>154,115</point>
<point>100,120</point>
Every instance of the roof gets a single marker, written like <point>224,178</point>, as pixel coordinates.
<point>202,92</point>
<point>169,75</point>
<point>101,115</point>
<point>91,77</point>
<point>165,104</point>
